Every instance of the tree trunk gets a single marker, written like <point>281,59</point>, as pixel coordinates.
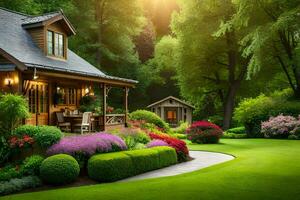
<point>229,104</point>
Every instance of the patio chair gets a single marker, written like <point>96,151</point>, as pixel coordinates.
<point>85,125</point>
<point>61,123</point>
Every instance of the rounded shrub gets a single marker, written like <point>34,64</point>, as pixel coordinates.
<point>203,132</point>
<point>59,169</point>
<point>143,160</point>
<point>149,117</point>
<point>110,167</point>
<point>26,130</point>
<point>48,135</point>
<point>167,156</point>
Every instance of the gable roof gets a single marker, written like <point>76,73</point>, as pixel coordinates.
<point>17,42</point>
<point>45,19</point>
<point>173,98</point>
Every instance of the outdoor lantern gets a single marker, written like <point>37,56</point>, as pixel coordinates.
<point>35,76</point>
<point>87,90</point>
<point>8,81</point>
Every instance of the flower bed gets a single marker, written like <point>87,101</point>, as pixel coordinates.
<point>179,145</point>
<point>84,146</point>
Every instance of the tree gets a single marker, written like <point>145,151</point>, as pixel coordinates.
<point>209,56</point>
<point>273,37</point>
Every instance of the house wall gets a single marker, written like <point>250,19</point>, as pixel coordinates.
<point>38,36</point>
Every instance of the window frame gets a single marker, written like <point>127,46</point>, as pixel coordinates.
<point>58,48</point>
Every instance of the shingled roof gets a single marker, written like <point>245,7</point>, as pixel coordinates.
<point>17,42</point>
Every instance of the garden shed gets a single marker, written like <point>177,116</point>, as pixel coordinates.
<point>172,110</point>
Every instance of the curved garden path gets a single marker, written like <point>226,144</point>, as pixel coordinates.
<point>201,160</point>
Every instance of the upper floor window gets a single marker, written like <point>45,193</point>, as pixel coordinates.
<point>55,44</point>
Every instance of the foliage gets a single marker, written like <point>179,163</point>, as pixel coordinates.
<point>157,143</point>
<point>31,165</point>
<point>167,155</point>
<point>251,112</point>
<point>90,103</point>
<point>230,135</point>
<point>13,108</point>
<point>110,167</point>
<point>149,117</point>
<point>143,160</point>
<point>48,135</point>
<point>179,145</point>
<point>180,136</point>
<point>4,150</point>
<point>132,136</point>
<point>59,169</point>
<point>280,126</point>
<point>83,146</point>
<point>18,184</point>
<point>203,132</point>
<point>29,130</point>
<point>272,37</point>
<point>237,130</point>
<point>181,128</point>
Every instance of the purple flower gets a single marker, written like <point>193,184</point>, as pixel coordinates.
<point>88,144</point>
<point>156,143</point>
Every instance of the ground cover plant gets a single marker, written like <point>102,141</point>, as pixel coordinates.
<point>203,132</point>
<point>84,146</point>
<point>262,170</point>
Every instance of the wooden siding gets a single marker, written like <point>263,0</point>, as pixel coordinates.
<point>38,36</point>
<point>15,88</point>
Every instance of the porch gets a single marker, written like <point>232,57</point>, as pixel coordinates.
<point>48,93</point>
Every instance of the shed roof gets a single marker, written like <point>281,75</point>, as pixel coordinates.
<point>168,98</point>
<point>17,42</point>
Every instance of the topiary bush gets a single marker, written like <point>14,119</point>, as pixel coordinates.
<point>110,167</point>
<point>203,132</point>
<point>143,160</point>
<point>167,156</point>
<point>149,117</point>
<point>48,135</point>
<point>59,169</point>
<point>27,130</point>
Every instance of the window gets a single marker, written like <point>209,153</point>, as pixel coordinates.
<point>55,44</point>
<point>66,96</point>
<point>50,42</point>
<point>171,115</point>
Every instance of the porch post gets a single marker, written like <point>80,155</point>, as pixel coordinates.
<point>126,91</point>
<point>104,105</point>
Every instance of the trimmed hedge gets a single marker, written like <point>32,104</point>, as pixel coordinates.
<point>115,166</point>
<point>48,135</point>
<point>143,160</point>
<point>18,184</point>
<point>59,169</point>
<point>167,156</point>
<point>110,167</point>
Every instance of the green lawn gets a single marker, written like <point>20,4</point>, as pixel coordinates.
<point>264,169</point>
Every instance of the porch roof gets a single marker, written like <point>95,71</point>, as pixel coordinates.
<point>17,42</point>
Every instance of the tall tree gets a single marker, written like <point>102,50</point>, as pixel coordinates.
<point>274,36</point>
<point>209,56</point>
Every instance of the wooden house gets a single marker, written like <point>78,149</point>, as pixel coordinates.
<point>35,61</point>
<point>172,110</point>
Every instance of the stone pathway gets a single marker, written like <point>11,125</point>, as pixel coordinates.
<point>201,160</point>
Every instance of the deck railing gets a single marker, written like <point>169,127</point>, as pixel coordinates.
<point>115,119</point>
